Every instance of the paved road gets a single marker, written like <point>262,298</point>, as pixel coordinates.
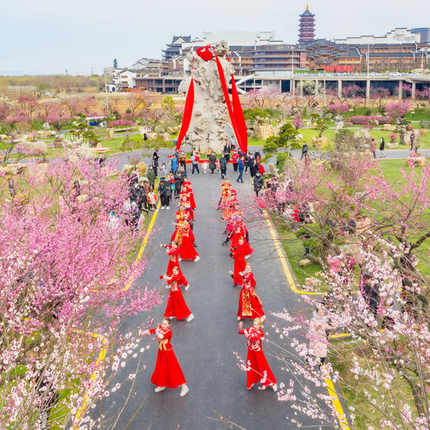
<point>205,347</point>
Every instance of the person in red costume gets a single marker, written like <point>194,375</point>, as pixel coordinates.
<point>224,194</point>
<point>229,204</point>
<point>257,367</point>
<point>187,205</point>
<point>239,254</point>
<point>187,250</point>
<point>167,372</point>
<point>187,188</point>
<point>173,253</point>
<point>238,230</point>
<point>250,305</point>
<point>176,306</point>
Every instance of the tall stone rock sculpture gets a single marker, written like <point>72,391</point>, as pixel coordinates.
<point>206,131</point>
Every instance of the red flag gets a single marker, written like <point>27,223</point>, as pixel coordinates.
<point>188,111</point>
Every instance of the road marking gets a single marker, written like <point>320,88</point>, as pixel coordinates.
<point>284,263</point>
<point>102,353</point>
<point>330,387</point>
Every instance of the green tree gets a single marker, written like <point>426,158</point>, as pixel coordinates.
<point>285,141</point>
<point>168,106</point>
<point>322,121</point>
<point>256,115</point>
<point>115,63</point>
<point>42,88</point>
<point>82,129</point>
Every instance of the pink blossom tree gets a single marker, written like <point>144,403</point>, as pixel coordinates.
<point>378,294</point>
<point>397,110</point>
<point>297,121</point>
<point>68,273</point>
<point>338,108</point>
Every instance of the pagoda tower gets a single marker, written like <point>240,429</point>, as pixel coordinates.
<point>306,26</point>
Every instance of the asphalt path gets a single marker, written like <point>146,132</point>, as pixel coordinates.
<point>205,347</point>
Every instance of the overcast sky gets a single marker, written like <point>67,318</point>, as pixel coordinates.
<point>50,36</point>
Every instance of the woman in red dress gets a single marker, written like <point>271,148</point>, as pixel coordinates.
<point>187,205</point>
<point>250,305</point>
<point>181,216</point>
<point>187,250</point>
<point>167,372</point>
<point>238,230</point>
<point>176,306</point>
<point>239,254</point>
<point>257,367</point>
<point>187,186</point>
<point>173,253</point>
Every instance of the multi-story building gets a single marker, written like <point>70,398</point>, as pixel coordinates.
<point>277,58</point>
<point>121,79</point>
<point>242,46</point>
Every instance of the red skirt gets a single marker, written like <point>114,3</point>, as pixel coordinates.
<point>250,305</point>
<point>167,372</point>
<point>239,266</point>
<point>176,306</point>
<point>187,250</point>
<point>258,369</point>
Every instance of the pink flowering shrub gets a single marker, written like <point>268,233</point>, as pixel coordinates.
<point>121,123</point>
<point>338,108</point>
<point>17,118</point>
<point>297,121</point>
<point>368,120</point>
<point>397,110</point>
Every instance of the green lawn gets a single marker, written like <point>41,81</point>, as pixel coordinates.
<point>294,251</point>
<point>352,389</point>
<point>376,133</point>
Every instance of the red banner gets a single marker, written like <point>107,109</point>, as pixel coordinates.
<point>188,111</point>
<point>240,119</point>
<point>228,103</point>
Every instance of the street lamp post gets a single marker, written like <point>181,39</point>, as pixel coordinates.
<point>292,69</point>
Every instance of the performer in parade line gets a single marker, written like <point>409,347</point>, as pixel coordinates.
<point>250,305</point>
<point>187,250</point>
<point>239,254</point>
<point>173,253</point>
<point>184,201</point>
<point>258,369</point>
<point>225,186</point>
<point>167,372</point>
<point>176,306</point>
<point>236,229</point>
<point>229,204</point>
<point>187,188</point>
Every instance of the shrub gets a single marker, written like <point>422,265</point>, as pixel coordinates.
<point>121,123</point>
<point>397,110</point>
<point>368,120</point>
<point>382,119</point>
<point>338,108</point>
<point>393,137</point>
<point>360,120</point>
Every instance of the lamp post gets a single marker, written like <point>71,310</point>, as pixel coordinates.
<point>292,69</point>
